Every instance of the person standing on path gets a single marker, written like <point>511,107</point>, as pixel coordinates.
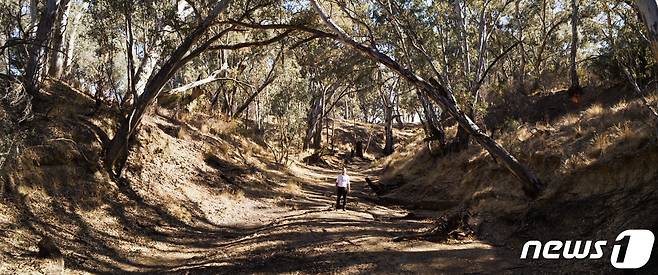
<point>342,188</point>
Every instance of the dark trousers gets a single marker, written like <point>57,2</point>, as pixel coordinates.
<point>341,192</point>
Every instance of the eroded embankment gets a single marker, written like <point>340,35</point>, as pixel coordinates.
<point>600,165</point>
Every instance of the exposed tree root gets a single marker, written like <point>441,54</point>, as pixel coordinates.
<point>453,226</point>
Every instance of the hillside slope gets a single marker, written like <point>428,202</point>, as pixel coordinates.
<point>195,197</point>
<point>183,188</point>
<point>599,162</point>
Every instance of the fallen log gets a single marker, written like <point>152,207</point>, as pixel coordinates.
<point>455,226</point>
<point>383,188</point>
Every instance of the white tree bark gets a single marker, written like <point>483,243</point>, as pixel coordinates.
<point>118,146</point>
<point>531,185</point>
<point>146,68</point>
<point>71,40</point>
<point>649,12</point>
<point>56,62</point>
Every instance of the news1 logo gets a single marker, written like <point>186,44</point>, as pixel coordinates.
<point>632,249</point>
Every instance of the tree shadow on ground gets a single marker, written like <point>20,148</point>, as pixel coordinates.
<point>106,225</point>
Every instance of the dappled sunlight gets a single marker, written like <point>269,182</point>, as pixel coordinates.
<point>324,137</point>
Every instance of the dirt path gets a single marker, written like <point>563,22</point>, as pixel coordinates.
<point>318,239</point>
<point>277,232</point>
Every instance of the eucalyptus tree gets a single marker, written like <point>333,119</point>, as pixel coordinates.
<point>198,34</point>
<point>574,90</point>
<point>389,94</point>
<point>546,38</point>
<point>331,74</point>
<point>649,12</point>
<point>117,149</point>
<point>437,92</point>
<point>38,50</point>
<point>58,43</point>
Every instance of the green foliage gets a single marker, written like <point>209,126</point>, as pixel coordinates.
<point>458,39</point>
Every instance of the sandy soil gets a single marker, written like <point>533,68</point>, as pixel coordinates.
<point>318,239</point>
<point>294,233</point>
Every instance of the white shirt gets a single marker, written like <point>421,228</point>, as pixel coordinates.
<point>343,181</point>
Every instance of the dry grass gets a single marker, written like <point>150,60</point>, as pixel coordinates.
<point>624,131</point>
<point>293,187</point>
<point>567,155</point>
<point>595,111</point>
<point>620,106</point>
<point>221,126</point>
<point>599,144</point>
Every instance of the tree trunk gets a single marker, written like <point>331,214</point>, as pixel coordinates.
<point>252,97</point>
<point>131,94</point>
<point>462,36</point>
<point>432,124</point>
<point>573,73</point>
<point>388,95</point>
<point>575,91</point>
<point>358,149</point>
<point>5,57</point>
<point>34,14</point>
<point>317,137</point>
<point>71,42</point>
<point>312,121</point>
<point>531,185</point>
<point>521,79</point>
<point>227,103</point>
<point>258,113</point>
<point>398,116</point>
<point>649,12</point>
<point>146,68</point>
<point>39,50</point>
<point>56,62</point>
<point>118,146</point>
<point>388,130</point>
<point>268,80</point>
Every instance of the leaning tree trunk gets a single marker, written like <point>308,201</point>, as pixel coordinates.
<point>268,80</point>
<point>117,149</point>
<point>147,66</point>
<point>531,185</point>
<point>39,49</point>
<point>649,12</point>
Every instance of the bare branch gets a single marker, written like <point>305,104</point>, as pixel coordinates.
<point>252,43</point>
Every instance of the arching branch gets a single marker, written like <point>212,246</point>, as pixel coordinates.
<point>532,186</point>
